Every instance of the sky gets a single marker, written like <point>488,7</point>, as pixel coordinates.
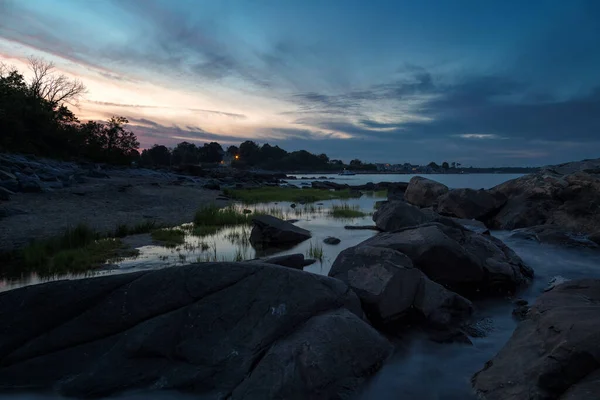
<point>485,83</point>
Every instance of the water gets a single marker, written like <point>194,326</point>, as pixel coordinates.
<point>420,369</point>
<point>454,181</point>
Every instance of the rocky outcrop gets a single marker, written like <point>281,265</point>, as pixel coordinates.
<point>390,288</point>
<point>550,234</point>
<point>423,192</point>
<point>469,203</point>
<point>569,202</point>
<point>459,259</point>
<point>394,215</point>
<point>242,330</point>
<point>269,231</point>
<point>295,261</point>
<point>554,353</point>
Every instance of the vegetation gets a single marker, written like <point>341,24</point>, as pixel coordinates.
<point>270,194</point>
<point>34,119</point>
<point>141,227</point>
<point>212,215</point>
<point>315,251</point>
<point>345,210</point>
<point>169,237</point>
<point>77,250</point>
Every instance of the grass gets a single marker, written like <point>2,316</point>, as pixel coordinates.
<point>215,216</point>
<point>346,211</point>
<point>76,250</point>
<point>169,237</point>
<point>270,194</point>
<point>315,251</point>
<point>141,227</point>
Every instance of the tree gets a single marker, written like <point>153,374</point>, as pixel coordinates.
<point>233,151</point>
<point>54,88</point>
<point>249,153</point>
<point>211,152</point>
<point>453,164</point>
<point>157,155</point>
<point>356,163</point>
<point>110,142</point>
<point>433,165</point>
<point>324,159</point>
<point>185,153</point>
<point>445,165</point>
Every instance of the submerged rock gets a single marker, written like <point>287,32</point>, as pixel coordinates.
<point>331,240</point>
<point>554,353</point>
<point>457,258</point>
<point>244,330</point>
<point>423,192</point>
<point>272,231</point>
<point>551,234</point>
<point>295,261</point>
<point>390,288</point>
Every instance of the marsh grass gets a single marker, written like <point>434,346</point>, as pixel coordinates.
<point>315,250</point>
<point>169,237</point>
<point>123,230</point>
<point>215,216</point>
<point>345,210</point>
<point>271,194</point>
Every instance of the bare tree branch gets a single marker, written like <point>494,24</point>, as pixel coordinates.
<point>56,88</point>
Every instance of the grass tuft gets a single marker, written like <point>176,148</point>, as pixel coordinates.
<point>215,216</point>
<point>123,230</point>
<point>346,211</point>
<point>315,251</point>
<point>270,194</point>
<point>169,237</point>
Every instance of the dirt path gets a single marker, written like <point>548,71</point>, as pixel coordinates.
<point>103,204</point>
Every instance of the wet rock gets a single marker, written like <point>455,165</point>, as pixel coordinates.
<point>246,329</point>
<point>12,185</point>
<point>469,203</point>
<point>212,185</point>
<point>520,310</point>
<point>295,261</point>
<point>272,231</point>
<point>554,282</point>
<point>331,240</point>
<point>396,215</point>
<point>5,175</point>
<point>548,197</point>
<point>554,353</point>
<point>551,234</point>
<point>595,237</point>
<point>472,225</point>
<point>29,185</point>
<point>459,259</point>
<point>5,194</point>
<point>293,205</point>
<point>391,288</point>
<point>97,174</point>
<point>423,192</point>
<point>246,211</point>
<point>480,328</point>
<point>361,227</point>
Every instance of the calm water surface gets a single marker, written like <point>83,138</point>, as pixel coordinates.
<point>420,369</point>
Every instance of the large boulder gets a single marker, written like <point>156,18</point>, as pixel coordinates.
<point>554,353</point>
<point>269,231</point>
<point>394,215</point>
<point>423,192</point>
<point>469,203</point>
<point>235,330</point>
<point>459,259</point>
<point>571,202</point>
<point>390,288</point>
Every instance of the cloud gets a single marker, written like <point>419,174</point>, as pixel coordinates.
<point>479,136</point>
<point>200,110</point>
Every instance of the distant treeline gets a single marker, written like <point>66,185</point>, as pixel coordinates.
<point>248,155</point>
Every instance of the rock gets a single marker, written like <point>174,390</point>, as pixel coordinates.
<point>595,237</point>
<point>4,175</point>
<point>295,261</point>
<point>459,259</point>
<point>12,185</point>
<point>6,212</point>
<point>396,215</point>
<point>331,240</point>
<point>97,174</point>
<point>361,227</point>
<point>212,185</point>
<point>521,309</point>
<point>554,282</point>
<point>396,191</point>
<point>5,194</point>
<point>29,185</point>
<point>554,353</point>
<point>479,328</point>
<point>271,231</point>
<point>551,234</point>
<point>391,288</point>
<point>450,336</point>
<point>423,192</point>
<point>470,204</point>
<point>472,225</point>
<point>246,329</point>
<point>570,202</point>
<point>246,211</point>
<point>293,205</point>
